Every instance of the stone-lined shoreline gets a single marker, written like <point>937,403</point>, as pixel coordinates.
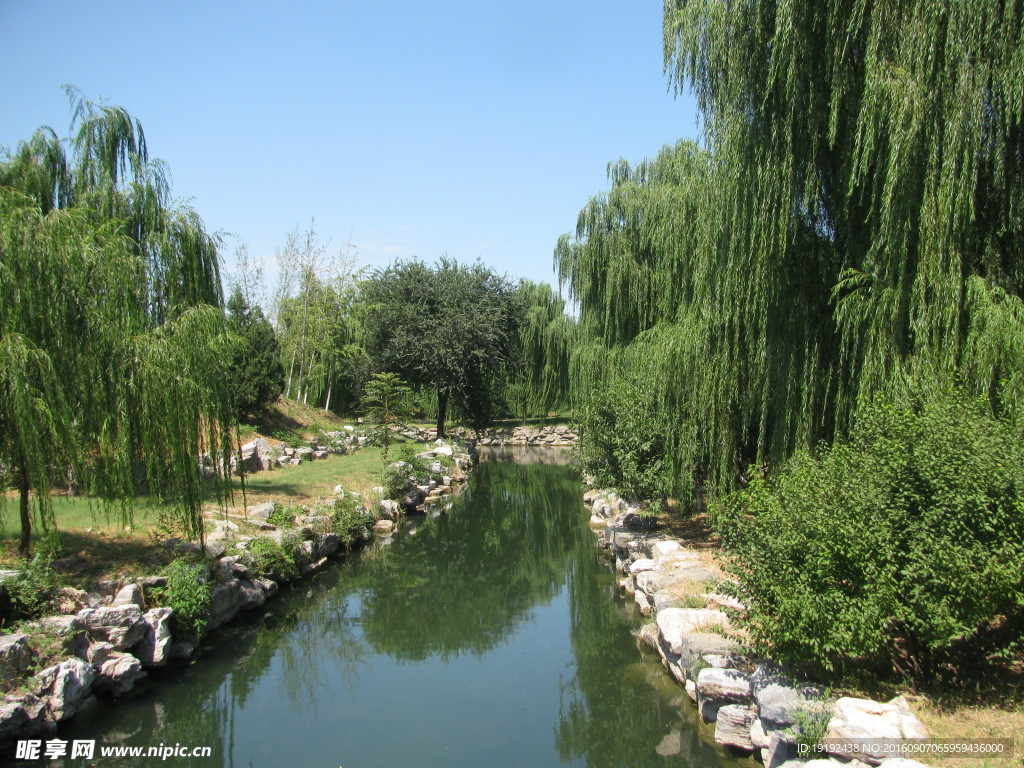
<point>757,707</point>
<point>111,641</point>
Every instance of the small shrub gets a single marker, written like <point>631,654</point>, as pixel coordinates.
<point>899,550</point>
<point>188,594</point>
<point>282,517</point>
<point>694,601</point>
<point>32,592</point>
<point>278,561</point>
<point>348,520</point>
<point>395,479</point>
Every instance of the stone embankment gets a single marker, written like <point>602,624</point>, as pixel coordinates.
<point>557,436</point>
<point>106,641</point>
<point>756,706</point>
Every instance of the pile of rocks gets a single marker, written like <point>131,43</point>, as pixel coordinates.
<point>260,455</point>
<point>449,466</point>
<point>559,436</point>
<point>756,705</point>
<point>112,640</point>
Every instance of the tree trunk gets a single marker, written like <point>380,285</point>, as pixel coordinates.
<point>291,368</point>
<point>442,409</point>
<point>25,547</point>
<point>327,402</point>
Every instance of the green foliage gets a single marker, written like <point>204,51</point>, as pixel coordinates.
<point>850,229</point>
<point>348,520</point>
<point>289,438</point>
<point>395,479</point>
<point>277,561</point>
<point>900,549</point>
<point>812,723</point>
<point>387,402</point>
<point>189,595</point>
<point>317,309</point>
<point>257,374</point>
<point>112,343</point>
<point>623,439</point>
<point>282,517</point>
<point>31,593</point>
<point>452,328</point>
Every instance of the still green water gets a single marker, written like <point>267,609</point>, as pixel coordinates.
<point>491,635</point>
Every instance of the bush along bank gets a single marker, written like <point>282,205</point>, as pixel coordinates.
<point>104,642</point>
<point>757,706</point>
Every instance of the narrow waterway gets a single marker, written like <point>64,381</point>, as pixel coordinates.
<point>487,636</point>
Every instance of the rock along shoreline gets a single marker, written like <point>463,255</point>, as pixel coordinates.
<point>755,706</point>
<point>110,639</point>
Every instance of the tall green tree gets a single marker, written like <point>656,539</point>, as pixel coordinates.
<point>256,371</point>
<point>111,334</point>
<point>452,328</point>
<point>849,231</point>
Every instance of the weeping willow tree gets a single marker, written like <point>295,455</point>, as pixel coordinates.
<point>541,381</point>
<point>852,230</point>
<point>112,341</point>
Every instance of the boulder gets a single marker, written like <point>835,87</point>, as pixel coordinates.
<point>15,656</point>
<point>327,544</point>
<point>121,625</point>
<point>182,650</point>
<point>413,498</point>
<point>119,674</point>
<point>675,623</point>
<point>67,686</point>
<point>267,586</point>
<point>724,685</point>
<point>129,594</point>
<point>696,646</point>
<point>224,605</point>
<point>383,526</point>
<point>866,719</point>
<point>641,565</point>
<point>249,596</point>
<point>661,548</point>
<point>777,695</point>
<point>732,727</point>
<point>262,511</point>
<point>781,749</point>
<point>153,649</point>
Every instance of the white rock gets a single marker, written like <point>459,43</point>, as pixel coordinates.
<point>723,685</point>
<point>758,737</point>
<point>674,623</point>
<point>644,564</point>
<point>122,625</point>
<point>661,548</point>
<point>866,719</point>
<point>119,674</point>
<point>67,685</point>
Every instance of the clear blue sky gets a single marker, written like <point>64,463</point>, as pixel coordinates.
<point>473,128</point>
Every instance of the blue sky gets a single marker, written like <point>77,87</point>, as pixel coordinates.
<point>472,128</point>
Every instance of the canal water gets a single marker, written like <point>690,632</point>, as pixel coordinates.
<point>489,636</point>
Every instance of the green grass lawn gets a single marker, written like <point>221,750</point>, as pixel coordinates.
<point>97,537</point>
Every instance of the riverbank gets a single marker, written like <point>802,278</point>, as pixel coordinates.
<point>104,642</point>
<point>754,705</point>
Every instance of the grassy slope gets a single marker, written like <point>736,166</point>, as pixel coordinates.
<point>96,541</point>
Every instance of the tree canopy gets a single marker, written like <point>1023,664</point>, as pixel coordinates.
<point>111,334</point>
<point>850,229</point>
<point>452,328</point>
